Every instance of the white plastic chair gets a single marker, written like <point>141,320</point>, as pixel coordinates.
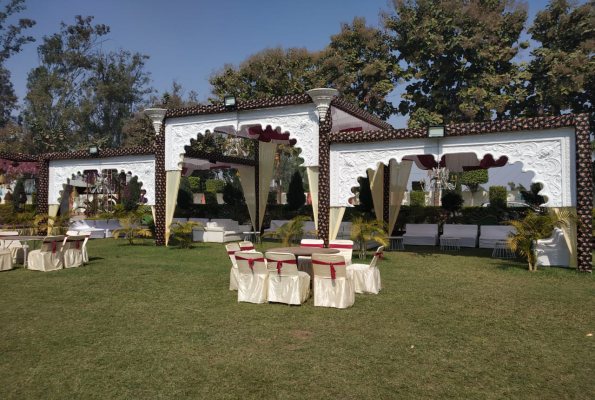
<point>232,249</point>
<point>366,278</point>
<point>345,248</point>
<point>286,284</point>
<point>332,286</point>
<point>72,251</point>
<point>48,257</point>
<point>253,282</point>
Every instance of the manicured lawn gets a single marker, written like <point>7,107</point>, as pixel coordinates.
<point>148,322</point>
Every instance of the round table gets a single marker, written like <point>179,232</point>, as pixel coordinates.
<point>303,251</point>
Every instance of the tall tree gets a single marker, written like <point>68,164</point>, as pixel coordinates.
<point>563,69</point>
<point>11,42</point>
<point>473,180</point>
<point>360,65</point>
<point>458,56</point>
<point>79,93</point>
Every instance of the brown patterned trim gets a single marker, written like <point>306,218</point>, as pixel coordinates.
<point>270,102</point>
<point>18,157</point>
<point>584,193</point>
<point>386,195</point>
<point>203,155</point>
<point>377,136</point>
<point>43,180</point>
<point>84,154</point>
<point>258,228</point>
<point>160,187</point>
<point>359,113</point>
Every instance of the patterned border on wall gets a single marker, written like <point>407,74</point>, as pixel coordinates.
<point>241,106</point>
<point>359,113</point>
<point>257,188</point>
<point>160,187</point>
<point>386,195</point>
<point>18,157</point>
<point>203,155</point>
<point>324,181</point>
<point>43,180</point>
<point>583,163</point>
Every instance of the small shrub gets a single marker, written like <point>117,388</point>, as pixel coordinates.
<point>295,194</point>
<point>498,196</point>
<point>185,196</point>
<point>194,184</point>
<point>216,185</point>
<point>272,198</point>
<point>418,198</point>
<point>211,198</point>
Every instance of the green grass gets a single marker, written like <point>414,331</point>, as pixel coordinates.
<point>148,322</point>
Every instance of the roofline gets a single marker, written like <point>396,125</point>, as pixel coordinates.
<point>359,113</point>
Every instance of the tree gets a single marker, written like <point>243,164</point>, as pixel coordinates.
<point>562,69</point>
<point>473,180</point>
<point>185,195</point>
<point>364,230</point>
<point>359,64</point>
<point>295,194</point>
<point>532,196</point>
<point>132,194</point>
<point>458,57</point>
<point>366,200</point>
<point>80,94</point>
<point>11,42</point>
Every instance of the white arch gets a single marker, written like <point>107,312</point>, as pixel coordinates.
<point>300,121</point>
<point>550,154</point>
<point>141,166</point>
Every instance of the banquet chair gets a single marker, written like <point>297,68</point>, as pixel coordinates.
<point>253,277</point>
<point>72,251</point>
<point>87,235</point>
<point>246,246</point>
<point>286,284</point>
<point>305,262</point>
<point>345,248</point>
<point>15,247</point>
<point>232,248</point>
<point>5,260</point>
<point>48,257</point>
<point>366,278</point>
<point>332,286</point>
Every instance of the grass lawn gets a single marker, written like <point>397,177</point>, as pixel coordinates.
<point>147,322</point>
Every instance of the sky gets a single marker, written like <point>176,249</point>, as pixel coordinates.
<point>188,40</point>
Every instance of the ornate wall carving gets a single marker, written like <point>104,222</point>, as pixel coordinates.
<point>549,154</point>
<point>299,121</point>
<point>62,170</point>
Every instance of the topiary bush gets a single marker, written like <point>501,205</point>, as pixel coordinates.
<point>131,195</point>
<point>498,196</point>
<point>295,194</point>
<point>216,185</point>
<point>185,196</point>
<point>211,198</point>
<point>194,184</point>
<point>417,198</point>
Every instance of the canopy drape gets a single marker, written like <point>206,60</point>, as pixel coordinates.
<point>172,185</point>
<point>248,181</point>
<point>336,216</point>
<point>313,183</point>
<point>377,188</point>
<point>399,176</point>
<point>266,163</point>
<point>570,234</point>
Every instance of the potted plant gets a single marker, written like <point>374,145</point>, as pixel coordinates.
<point>364,230</point>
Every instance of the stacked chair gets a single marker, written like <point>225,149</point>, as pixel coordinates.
<point>286,284</point>
<point>253,277</point>
<point>232,248</point>
<point>332,286</point>
<point>366,278</point>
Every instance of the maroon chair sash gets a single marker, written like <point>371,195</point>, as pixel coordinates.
<point>332,265</point>
<point>250,261</point>
<point>320,246</point>
<point>340,246</point>
<point>280,264</point>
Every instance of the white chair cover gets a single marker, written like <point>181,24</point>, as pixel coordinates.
<point>5,260</point>
<point>345,248</point>
<point>72,251</point>
<point>16,248</point>
<point>305,262</point>
<point>331,285</point>
<point>366,278</point>
<point>246,246</point>
<point>87,235</point>
<point>253,279</point>
<point>232,248</point>
<point>49,257</point>
<point>286,284</point>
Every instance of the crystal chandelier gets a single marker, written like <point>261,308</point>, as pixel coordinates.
<point>438,179</point>
<point>233,147</point>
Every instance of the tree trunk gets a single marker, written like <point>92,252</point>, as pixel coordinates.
<point>362,250</point>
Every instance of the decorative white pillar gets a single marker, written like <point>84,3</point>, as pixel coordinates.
<point>322,97</point>
<point>156,115</point>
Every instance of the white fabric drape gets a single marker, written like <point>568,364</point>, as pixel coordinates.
<point>570,235</point>
<point>266,163</point>
<point>172,184</point>
<point>52,212</point>
<point>249,188</point>
<point>335,218</point>
<point>399,176</point>
<point>377,189</point>
<point>313,183</point>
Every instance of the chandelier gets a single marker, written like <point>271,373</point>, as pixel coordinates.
<point>438,179</point>
<point>233,147</point>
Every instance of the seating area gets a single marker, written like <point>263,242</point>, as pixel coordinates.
<point>467,234</point>
<point>553,251</point>
<point>421,235</point>
<point>493,234</point>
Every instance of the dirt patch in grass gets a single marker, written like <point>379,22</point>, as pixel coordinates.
<point>302,334</point>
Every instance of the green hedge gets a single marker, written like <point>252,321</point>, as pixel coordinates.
<point>210,197</point>
<point>194,184</point>
<point>498,196</point>
<point>216,185</point>
<point>417,198</point>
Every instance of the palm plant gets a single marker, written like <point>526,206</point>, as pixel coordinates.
<point>131,227</point>
<point>364,230</point>
<point>534,227</point>
<point>292,231</point>
<point>182,232</point>
<point>59,224</point>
